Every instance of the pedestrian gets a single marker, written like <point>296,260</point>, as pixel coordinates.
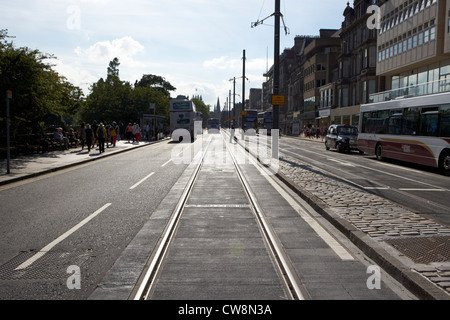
<point>129,132</point>
<point>89,137</point>
<point>101,137</point>
<point>82,135</point>
<point>94,129</point>
<point>137,132</point>
<point>114,133</point>
<point>134,132</point>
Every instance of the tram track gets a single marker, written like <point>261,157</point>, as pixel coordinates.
<point>288,277</point>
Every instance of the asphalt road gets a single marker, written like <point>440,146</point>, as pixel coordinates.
<point>106,202</point>
<point>421,189</point>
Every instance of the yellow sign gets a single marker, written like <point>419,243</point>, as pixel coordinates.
<point>278,100</point>
<point>234,118</point>
<point>243,113</point>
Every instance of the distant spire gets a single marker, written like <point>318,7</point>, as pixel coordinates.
<point>217,109</point>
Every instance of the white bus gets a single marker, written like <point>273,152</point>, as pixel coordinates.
<point>414,129</point>
<point>183,116</point>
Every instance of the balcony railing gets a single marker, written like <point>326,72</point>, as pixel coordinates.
<point>422,89</point>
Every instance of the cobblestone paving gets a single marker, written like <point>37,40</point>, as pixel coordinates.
<point>374,215</point>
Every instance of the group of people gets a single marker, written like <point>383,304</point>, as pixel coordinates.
<point>98,133</point>
<point>133,133</point>
<point>313,132</point>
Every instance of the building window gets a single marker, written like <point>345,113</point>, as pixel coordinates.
<point>364,92</point>
<point>420,39</point>
<point>414,44</point>
<point>432,33</point>
<point>448,28</point>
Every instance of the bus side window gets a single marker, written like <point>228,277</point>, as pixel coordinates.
<point>429,123</point>
<point>411,123</point>
<point>445,121</point>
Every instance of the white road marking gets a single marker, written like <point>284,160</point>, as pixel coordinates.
<point>348,164</point>
<point>137,184</point>
<point>165,164</point>
<point>48,247</point>
<point>417,189</point>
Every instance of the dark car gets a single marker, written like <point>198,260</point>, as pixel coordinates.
<point>342,138</point>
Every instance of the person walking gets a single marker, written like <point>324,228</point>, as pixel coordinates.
<point>137,133</point>
<point>101,137</point>
<point>114,134</point>
<point>94,129</point>
<point>82,135</point>
<point>89,137</point>
<point>129,132</point>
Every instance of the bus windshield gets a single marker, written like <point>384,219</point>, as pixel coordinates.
<point>182,105</point>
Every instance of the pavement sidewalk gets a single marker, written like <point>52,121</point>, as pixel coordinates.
<point>28,166</point>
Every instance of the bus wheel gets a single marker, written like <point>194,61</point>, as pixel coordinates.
<point>379,152</point>
<point>444,162</point>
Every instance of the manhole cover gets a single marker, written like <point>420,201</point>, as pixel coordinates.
<point>424,249</point>
<point>53,265</point>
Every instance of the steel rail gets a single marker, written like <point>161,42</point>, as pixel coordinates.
<point>147,279</point>
<point>282,262</point>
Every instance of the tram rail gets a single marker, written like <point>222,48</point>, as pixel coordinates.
<point>286,272</point>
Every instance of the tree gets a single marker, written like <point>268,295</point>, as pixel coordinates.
<point>113,70</point>
<point>157,82</point>
<point>202,107</point>
<point>38,91</point>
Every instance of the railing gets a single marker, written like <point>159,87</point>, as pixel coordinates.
<point>422,89</point>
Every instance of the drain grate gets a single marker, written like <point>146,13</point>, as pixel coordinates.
<point>53,265</point>
<point>424,249</point>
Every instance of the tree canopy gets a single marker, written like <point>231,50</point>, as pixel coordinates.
<point>117,100</point>
<point>42,98</point>
<point>39,92</point>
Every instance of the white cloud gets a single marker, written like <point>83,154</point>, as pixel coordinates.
<point>124,49</point>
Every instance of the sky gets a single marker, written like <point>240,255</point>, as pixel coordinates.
<point>196,45</point>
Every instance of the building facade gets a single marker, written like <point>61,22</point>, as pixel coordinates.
<point>357,78</point>
<point>414,48</point>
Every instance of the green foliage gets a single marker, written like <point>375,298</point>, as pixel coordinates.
<point>116,100</point>
<point>42,98</point>
<point>38,91</point>
<point>202,107</point>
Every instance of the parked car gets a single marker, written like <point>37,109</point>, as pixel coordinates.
<point>342,138</point>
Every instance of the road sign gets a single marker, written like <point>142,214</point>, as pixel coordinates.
<point>278,100</point>
<point>243,113</point>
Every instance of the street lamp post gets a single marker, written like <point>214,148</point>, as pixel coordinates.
<point>8,138</point>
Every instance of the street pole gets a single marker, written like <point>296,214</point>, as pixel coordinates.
<point>243,87</point>
<point>8,138</point>
<point>276,66</point>
<point>234,102</point>
<point>229,110</point>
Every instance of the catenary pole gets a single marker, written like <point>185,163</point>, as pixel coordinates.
<point>276,66</point>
